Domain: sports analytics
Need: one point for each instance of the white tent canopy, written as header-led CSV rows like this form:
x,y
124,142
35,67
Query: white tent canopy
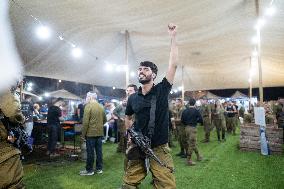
x,y
210,95
27,93
63,94
214,38
238,94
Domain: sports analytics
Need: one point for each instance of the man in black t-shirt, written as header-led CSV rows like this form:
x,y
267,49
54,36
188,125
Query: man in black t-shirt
x,y
80,112
190,117
53,122
139,105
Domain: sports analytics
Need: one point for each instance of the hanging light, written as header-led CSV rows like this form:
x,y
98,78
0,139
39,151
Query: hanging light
x,y
254,40
109,67
132,74
43,32
254,53
270,11
260,23
77,52
29,88
46,94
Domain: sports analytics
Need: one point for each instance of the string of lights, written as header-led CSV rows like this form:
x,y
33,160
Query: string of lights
x,y
43,32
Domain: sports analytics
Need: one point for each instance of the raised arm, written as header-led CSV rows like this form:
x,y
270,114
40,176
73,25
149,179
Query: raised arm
x,y
173,54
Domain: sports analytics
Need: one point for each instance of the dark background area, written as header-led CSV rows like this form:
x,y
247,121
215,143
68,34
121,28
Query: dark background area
x,y
42,85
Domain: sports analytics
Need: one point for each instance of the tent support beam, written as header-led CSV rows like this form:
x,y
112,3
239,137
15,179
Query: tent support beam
x,y
126,60
259,57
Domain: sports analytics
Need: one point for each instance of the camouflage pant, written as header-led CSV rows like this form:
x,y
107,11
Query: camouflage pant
x,y
121,134
220,125
11,169
181,137
191,137
231,125
207,128
171,144
122,142
162,177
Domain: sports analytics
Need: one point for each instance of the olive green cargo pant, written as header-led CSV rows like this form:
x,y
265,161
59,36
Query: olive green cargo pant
x,y
121,147
220,125
231,125
163,178
11,169
181,137
207,128
191,138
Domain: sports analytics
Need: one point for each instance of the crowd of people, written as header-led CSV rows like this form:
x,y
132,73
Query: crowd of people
x,y
147,111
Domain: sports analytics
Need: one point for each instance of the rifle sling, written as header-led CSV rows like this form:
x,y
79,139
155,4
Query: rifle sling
x,y
151,123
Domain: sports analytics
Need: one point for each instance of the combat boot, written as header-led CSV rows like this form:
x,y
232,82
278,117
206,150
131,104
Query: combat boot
x,y
191,163
199,158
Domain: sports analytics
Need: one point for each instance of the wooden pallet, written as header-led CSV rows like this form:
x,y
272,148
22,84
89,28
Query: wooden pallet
x,y
250,140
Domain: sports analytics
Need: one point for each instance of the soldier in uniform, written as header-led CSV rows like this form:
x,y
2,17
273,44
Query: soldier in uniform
x,y
190,117
11,170
119,114
231,111
269,118
248,118
280,120
206,116
179,108
219,120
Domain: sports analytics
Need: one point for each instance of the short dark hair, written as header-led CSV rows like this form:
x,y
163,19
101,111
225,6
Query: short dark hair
x,y
151,65
192,102
134,86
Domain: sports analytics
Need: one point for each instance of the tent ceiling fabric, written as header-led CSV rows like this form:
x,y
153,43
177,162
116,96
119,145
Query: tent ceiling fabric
x,y
214,38
64,94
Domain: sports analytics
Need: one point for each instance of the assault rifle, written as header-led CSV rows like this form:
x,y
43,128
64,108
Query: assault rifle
x,y
144,144
17,131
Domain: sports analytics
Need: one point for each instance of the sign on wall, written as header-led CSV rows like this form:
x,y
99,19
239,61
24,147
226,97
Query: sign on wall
x,y
259,116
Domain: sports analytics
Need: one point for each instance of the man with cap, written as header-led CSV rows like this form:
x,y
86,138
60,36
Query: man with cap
x,y
154,125
93,131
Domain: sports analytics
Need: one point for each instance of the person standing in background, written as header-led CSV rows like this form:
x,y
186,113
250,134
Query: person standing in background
x,y
93,131
27,110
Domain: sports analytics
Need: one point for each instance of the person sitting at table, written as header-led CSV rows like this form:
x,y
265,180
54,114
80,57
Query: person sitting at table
x,y
53,123
36,114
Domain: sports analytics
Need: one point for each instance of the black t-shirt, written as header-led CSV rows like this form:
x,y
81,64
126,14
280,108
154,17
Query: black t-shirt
x,y
230,108
140,105
27,110
191,116
81,108
53,115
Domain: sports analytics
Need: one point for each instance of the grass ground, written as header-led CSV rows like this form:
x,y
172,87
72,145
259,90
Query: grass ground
x,y
224,166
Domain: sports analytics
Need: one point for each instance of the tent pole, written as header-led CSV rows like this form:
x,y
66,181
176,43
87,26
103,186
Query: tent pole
x,y
182,83
259,57
126,60
250,84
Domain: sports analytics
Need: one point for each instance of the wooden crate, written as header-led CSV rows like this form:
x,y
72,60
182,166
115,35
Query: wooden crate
x,y
250,140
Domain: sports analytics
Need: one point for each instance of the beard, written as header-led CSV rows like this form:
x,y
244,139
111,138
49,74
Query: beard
x,y
145,79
